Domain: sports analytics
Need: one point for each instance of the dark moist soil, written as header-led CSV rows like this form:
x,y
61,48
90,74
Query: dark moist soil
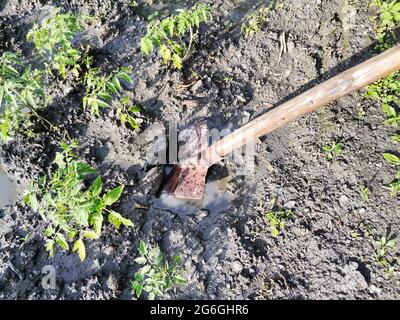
x,y
229,254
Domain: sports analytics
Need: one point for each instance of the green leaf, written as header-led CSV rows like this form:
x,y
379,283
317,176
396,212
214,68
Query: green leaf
x,y
104,95
142,247
133,122
59,160
113,195
391,158
141,260
34,202
60,240
88,234
275,232
177,61
139,276
96,187
79,247
134,109
96,221
84,169
146,46
125,76
152,296
139,290
177,259
390,111
81,216
125,100
179,279
116,219
49,246
165,53
101,103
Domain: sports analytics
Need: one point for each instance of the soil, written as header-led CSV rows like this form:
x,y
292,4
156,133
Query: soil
x,y
228,253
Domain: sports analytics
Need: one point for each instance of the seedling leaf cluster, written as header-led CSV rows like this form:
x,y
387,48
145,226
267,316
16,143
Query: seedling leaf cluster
x,y
394,186
169,35
52,39
333,150
277,220
157,276
21,94
101,90
72,211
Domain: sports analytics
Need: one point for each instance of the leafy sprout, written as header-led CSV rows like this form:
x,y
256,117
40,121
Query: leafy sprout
x,y
364,191
157,276
333,150
256,21
387,21
21,95
70,210
384,249
169,35
277,220
394,186
100,89
387,92
52,39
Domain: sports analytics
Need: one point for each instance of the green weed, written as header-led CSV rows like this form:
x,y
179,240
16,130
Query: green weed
x,y
157,276
21,94
255,22
396,138
387,21
383,246
70,210
169,35
100,90
259,19
387,92
277,220
52,39
333,150
393,187
126,111
364,191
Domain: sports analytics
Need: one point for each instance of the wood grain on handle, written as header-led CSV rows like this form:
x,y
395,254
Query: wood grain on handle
x,y
353,79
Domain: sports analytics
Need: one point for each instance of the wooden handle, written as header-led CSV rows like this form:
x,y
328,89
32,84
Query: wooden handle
x,y
353,79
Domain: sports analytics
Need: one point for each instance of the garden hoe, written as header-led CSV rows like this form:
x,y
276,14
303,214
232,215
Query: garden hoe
x,y
187,179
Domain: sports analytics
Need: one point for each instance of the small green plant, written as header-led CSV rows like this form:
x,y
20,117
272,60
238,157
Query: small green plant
x,y
393,187
364,193
391,158
333,150
169,35
157,276
52,40
383,246
387,21
21,95
363,230
387,92
126,111
277,220
101,88
396,138
70,210
256,21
